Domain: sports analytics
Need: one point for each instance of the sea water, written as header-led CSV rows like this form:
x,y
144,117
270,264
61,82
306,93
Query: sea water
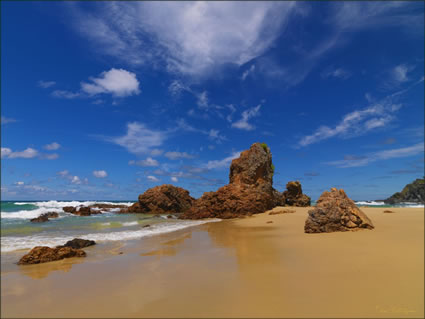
x,y
17,232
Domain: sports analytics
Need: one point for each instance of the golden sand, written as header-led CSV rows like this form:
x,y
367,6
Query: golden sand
x,y
239,268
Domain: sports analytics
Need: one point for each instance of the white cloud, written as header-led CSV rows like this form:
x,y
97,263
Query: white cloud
x,y
149,162
246,115
212,134
203,100
400,73
177,155
6,120
51,147
152,178
156,152
356,161
65,94
75,180
177,87
63,173
336,73
224,163
27,153
174,179
46,84
100,174
248,72
215,135
139,139
117,82
358,122
19,183
5,152
190,37
49,156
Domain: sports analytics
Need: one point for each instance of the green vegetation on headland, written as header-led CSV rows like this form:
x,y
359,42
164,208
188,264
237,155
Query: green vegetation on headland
x,y
413,192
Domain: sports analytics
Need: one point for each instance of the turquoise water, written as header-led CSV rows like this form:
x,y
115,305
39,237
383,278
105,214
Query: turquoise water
x,y
17,232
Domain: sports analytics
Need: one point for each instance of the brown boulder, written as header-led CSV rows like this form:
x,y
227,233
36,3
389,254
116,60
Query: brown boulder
x,y
293,196
40,219
334,211
135,208
43,254
44,217
69,209
164,199
85,211
250,190
78,243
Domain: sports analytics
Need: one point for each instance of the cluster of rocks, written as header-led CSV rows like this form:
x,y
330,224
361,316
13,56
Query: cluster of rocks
x,y
250,191
43,254
82,210
334,211
44,217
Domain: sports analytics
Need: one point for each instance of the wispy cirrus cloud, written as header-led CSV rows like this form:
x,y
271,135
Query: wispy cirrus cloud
x,y
243,123
363,160
148,162
339,73
64,94
190,38
178,155
52,146
223,163
340,21
358,122
46,84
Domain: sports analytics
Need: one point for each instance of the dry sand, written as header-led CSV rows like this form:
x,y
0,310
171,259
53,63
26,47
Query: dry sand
x,y
238,268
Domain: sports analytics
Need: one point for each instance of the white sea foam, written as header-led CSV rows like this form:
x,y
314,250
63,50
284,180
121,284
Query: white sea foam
x,y
61,204
403,204
370,203
130,223
26,214
53,206
16,243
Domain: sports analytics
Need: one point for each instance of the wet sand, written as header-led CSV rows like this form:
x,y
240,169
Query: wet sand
x,y
236,268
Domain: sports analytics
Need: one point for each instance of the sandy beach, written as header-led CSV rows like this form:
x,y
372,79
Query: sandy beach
x,y
235,268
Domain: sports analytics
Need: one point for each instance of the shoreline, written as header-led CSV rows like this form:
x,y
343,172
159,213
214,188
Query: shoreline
x,y
235,268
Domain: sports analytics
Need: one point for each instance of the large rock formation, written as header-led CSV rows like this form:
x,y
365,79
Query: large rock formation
x,y
249,190
413,192
164,199
334,211
293,196
43,254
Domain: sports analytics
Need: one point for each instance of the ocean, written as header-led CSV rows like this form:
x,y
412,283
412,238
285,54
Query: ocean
x,y
17,232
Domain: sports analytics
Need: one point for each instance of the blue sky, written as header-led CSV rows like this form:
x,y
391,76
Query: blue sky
x,y
103,100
